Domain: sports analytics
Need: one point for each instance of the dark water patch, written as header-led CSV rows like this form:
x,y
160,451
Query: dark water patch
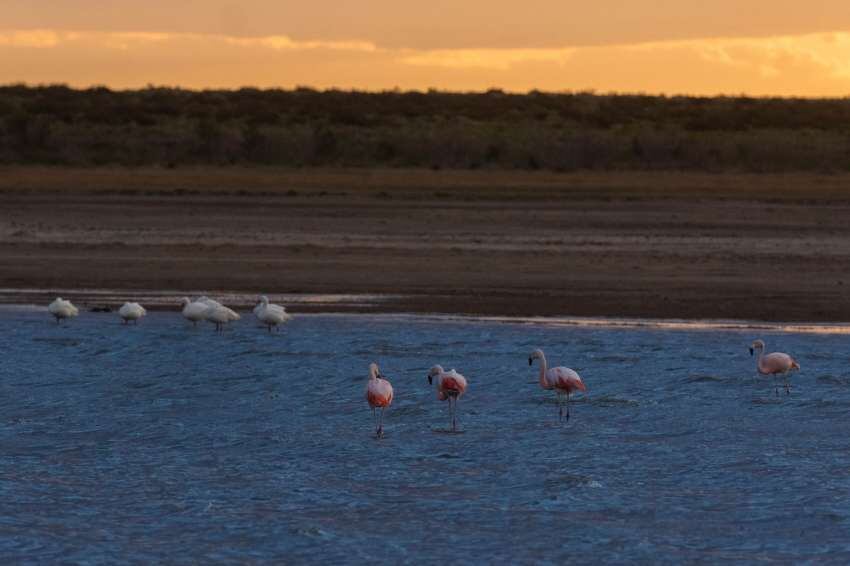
x,y
69,342
568,481
617,359
775,400
822,403
839,380
660,437
707,378
399,411
607,401
55,384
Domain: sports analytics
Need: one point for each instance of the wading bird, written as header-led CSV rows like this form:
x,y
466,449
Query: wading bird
x,y
132,311
379,393
269,314
450,386
563,380
775,365
220,315
207,301
194,311
61,308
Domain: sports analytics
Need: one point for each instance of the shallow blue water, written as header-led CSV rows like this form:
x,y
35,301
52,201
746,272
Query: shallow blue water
x,y
167,442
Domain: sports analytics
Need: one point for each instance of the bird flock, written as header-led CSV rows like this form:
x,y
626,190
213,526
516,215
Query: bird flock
x,y
450,385
200,310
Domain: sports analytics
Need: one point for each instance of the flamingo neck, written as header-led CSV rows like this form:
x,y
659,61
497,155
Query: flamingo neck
x,y
438,377
759,354
543,368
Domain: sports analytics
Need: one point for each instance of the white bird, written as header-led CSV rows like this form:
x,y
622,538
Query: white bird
x,y
270,314
220,315
207,301
132,311
194,311
62,309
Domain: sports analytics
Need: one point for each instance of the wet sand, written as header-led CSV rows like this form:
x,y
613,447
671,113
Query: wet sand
x,y
659,245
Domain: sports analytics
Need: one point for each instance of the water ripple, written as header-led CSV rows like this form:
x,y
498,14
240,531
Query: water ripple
x,y
167,443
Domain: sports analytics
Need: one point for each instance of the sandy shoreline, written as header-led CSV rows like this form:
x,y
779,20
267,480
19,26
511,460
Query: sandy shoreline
x,y
687,246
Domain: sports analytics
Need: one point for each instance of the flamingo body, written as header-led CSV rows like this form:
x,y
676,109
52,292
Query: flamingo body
x,y
379,393
131,311
450,384
776,363
563,379
62,309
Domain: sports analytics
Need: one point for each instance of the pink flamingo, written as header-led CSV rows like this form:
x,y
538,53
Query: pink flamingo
x,y
379,393
564,381
450,386
775,364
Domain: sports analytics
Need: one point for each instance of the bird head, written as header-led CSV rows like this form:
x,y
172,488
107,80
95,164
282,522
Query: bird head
x,y
535,355
434,372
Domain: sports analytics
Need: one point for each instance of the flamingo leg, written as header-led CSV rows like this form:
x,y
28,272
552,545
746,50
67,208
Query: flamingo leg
x,y
454,416
375,418
787,385
381,424
560,407
568,406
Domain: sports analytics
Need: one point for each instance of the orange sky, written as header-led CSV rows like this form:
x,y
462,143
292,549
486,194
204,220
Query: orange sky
x,y
759,47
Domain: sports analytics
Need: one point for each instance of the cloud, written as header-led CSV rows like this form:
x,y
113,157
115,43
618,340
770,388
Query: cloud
x,y
281,42
37,39
772,56
495,59
43,38
791,65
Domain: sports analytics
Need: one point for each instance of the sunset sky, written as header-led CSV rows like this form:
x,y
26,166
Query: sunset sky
x,y
757,47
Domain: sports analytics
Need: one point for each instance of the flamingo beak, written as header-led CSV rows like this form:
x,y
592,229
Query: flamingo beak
x,y
430,379
751,351
529,361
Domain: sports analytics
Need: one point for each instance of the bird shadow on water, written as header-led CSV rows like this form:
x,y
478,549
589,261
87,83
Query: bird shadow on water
x,y
774,400
708,378
447,431
841,381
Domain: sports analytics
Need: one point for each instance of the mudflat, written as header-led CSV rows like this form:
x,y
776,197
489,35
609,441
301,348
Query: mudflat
x,y
629,244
